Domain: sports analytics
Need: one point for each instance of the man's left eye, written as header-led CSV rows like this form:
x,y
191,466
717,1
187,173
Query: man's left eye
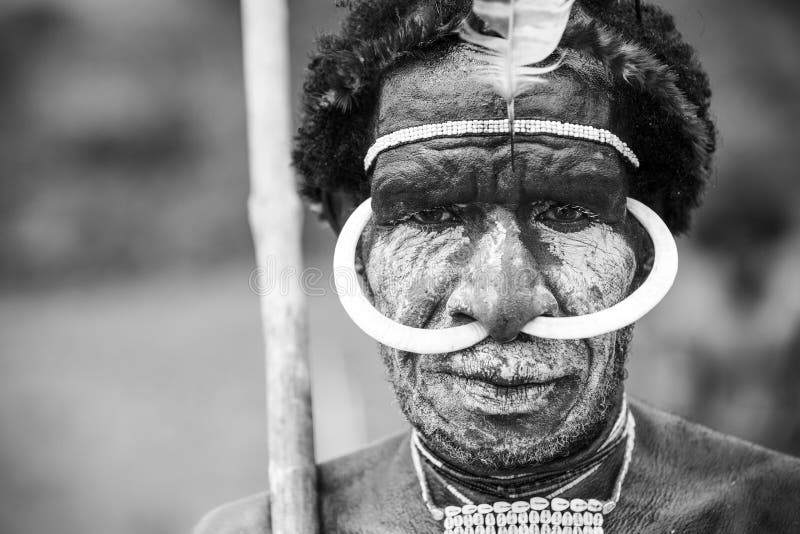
x,y
566,213
433,216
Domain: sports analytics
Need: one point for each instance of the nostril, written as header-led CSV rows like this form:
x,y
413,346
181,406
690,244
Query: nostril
x,y
462,318
505,330
507,339
503,316
504,335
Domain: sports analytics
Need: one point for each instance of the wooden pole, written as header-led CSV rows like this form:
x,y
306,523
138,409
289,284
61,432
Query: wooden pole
x,y
276,223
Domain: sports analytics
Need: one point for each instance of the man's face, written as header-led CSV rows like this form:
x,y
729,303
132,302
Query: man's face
x,y
461,234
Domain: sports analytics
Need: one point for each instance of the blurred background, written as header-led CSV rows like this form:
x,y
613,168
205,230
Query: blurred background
x,y
131,396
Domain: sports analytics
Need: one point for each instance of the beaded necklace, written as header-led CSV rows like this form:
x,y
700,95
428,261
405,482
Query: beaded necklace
x,y
539,515
523,485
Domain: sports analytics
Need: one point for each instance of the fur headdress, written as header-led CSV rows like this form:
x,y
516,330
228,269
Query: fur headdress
x,y
660,93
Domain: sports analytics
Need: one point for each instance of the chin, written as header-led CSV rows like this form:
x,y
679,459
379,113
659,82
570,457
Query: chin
x,y
501,437
498,407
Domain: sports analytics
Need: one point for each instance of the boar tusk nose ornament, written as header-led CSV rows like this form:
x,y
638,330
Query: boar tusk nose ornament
x,y
434,341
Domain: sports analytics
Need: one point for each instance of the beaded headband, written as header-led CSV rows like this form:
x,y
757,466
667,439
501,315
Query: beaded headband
x,y
494,127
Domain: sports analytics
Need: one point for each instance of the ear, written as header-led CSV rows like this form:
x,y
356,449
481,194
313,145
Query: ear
x,y
337,206
645,254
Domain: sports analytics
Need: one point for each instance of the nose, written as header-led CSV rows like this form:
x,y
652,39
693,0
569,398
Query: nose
x,y
502,287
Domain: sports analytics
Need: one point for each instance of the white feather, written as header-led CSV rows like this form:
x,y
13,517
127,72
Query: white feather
x,y
529,32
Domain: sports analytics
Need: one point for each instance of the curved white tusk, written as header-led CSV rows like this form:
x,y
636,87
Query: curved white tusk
x,y
637,304
434,341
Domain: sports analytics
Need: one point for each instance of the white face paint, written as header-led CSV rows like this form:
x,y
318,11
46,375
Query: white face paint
x,y
502,405
460,234
585,259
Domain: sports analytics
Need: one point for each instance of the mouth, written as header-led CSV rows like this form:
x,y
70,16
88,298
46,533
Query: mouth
x,y
496,395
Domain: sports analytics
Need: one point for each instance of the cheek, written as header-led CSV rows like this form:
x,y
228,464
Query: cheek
x,y
589,270
409,269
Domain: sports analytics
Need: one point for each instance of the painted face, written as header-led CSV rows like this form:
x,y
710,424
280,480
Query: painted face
x,y
461,234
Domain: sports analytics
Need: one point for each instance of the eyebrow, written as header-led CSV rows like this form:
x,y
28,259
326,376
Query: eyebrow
x,y
437,173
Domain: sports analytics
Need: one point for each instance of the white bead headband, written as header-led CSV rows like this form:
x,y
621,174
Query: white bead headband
x,y
487,127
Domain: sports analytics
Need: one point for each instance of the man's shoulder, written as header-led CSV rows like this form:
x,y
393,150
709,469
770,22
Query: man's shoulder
x,y
362,465
337,480
710,471
681,444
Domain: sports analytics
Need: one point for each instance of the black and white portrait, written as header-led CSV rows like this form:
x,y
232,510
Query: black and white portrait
x,y
399,266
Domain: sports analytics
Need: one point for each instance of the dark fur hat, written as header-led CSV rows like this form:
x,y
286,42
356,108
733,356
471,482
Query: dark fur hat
x,y
661,93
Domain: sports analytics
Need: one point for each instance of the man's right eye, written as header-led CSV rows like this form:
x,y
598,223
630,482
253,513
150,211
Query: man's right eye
x,y
433,216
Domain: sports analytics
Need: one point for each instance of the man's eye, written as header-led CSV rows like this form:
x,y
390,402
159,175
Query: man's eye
x,y
433,216
566,213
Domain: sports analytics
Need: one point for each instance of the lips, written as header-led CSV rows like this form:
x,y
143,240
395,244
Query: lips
x,y
500,379
503,396
520,377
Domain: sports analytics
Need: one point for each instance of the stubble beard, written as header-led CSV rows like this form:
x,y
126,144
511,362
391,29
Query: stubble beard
x,y
588,418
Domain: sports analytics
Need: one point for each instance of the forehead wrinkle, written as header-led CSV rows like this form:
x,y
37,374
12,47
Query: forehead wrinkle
x,y
574,171
478,169
429,174
446,88
448,171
